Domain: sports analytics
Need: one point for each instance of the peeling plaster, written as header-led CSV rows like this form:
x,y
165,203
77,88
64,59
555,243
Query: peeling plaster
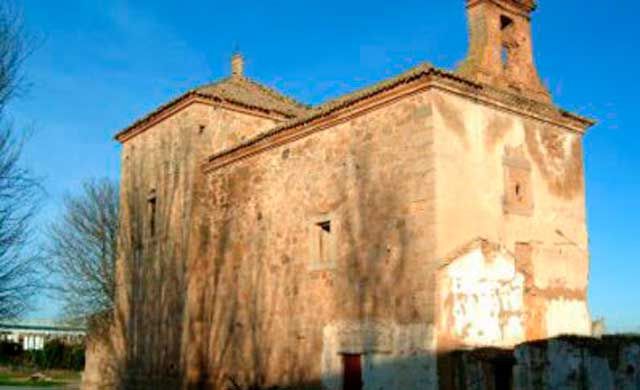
x,y
483,299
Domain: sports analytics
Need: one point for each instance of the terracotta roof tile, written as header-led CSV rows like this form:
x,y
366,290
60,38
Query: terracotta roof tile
x,y
347,100
244,90
416,72
239,90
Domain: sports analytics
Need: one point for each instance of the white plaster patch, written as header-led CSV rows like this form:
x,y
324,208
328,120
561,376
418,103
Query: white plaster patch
x,y
566,316
330,364
486,299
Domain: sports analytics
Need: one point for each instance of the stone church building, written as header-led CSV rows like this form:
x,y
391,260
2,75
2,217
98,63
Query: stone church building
x,y
354,244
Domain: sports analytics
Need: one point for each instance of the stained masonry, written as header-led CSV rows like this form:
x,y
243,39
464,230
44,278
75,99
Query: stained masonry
x,y
356,243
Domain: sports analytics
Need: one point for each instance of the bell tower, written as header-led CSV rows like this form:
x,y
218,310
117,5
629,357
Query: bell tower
x,y
500,48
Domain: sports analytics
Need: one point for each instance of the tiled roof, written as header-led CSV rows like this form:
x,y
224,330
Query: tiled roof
x,y
421,70
347,100
239,90
248,92
360,94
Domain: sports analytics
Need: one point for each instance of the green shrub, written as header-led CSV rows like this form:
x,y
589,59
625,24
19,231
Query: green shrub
x,y
55,355
10,352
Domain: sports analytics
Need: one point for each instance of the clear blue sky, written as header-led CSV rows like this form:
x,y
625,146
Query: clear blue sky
x,y
102,64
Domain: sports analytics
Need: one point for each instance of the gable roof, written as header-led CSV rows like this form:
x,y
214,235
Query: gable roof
x,y
238,90
243,90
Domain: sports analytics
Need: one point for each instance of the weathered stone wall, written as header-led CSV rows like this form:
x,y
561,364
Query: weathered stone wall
x,y
234,286
398,223
516,182
161,178
267,311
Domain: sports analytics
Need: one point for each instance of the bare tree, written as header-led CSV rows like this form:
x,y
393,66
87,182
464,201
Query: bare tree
x,y
82,249
19,199
14,48
19,190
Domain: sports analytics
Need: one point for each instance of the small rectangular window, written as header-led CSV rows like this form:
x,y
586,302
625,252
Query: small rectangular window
x,y
518,192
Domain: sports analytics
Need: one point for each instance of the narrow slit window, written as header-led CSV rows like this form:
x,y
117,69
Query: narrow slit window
x,y
323,234
504,56
324,241
152,201
506,26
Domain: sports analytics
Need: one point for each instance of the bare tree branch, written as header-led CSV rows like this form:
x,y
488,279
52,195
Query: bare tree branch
x,y
14,49
82,249
20,192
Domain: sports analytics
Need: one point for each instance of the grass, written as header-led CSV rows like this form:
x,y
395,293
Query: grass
x,y
25,382
23,379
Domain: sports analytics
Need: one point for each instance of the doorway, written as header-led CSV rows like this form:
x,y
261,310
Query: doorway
x,y
352,372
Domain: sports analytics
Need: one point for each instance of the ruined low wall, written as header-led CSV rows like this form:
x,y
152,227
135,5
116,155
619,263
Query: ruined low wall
x,y
567,362
612,362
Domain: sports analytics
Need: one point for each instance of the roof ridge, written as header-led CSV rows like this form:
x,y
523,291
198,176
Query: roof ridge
x,y
420,70
211,84
339,102
271,91
361,92
274,92
271,98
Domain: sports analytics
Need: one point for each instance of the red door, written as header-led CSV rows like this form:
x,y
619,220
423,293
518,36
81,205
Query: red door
x,y
352,372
